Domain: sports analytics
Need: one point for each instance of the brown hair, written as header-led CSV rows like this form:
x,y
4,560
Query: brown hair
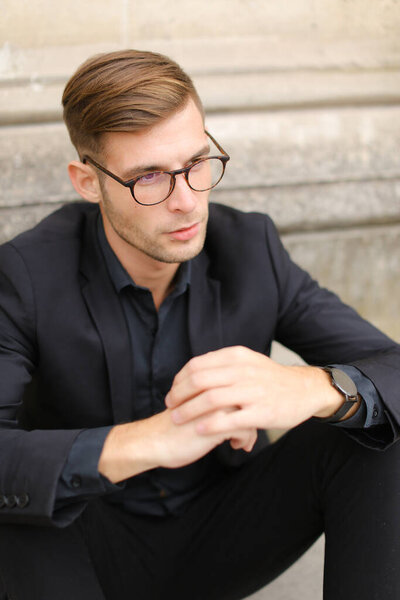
x,y
127,90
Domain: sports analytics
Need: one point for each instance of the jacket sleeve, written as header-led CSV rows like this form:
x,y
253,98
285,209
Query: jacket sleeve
x,y
314,322
80,479
31,461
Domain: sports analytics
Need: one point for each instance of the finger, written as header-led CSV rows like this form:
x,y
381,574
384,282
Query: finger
x,y
233,355
200,381
220,422
229,397
245,442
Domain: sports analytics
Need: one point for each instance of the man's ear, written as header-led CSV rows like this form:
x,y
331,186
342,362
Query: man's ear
x,y
85,181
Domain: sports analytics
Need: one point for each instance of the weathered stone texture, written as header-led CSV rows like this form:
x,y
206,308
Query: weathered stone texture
x,y
244,17
304,96
308,170
45,22
17,220
361,265
41,23
307,146
327,178
320,206
33,163
37,100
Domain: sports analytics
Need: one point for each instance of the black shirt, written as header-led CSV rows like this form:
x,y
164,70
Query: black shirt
x,y
160,347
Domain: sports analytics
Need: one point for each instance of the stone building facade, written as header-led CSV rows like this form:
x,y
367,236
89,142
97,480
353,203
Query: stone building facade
x,y
305,95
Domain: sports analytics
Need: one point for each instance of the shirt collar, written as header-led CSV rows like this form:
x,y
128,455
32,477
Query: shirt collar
x,y
119,276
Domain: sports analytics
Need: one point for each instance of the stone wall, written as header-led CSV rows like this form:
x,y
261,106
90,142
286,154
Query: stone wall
x,y
305,97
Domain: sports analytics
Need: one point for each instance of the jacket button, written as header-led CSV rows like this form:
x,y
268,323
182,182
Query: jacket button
x,y
22,500
11,501
2,501
76,481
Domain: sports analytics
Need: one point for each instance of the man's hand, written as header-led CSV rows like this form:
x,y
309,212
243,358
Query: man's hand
x,y
236,388
133,448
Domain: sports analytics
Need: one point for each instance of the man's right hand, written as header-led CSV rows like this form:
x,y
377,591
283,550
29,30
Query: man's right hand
x,y
132,448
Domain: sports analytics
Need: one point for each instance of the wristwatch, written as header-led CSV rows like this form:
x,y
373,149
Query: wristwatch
x,y
346,386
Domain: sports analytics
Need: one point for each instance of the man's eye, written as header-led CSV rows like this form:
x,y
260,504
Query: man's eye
x,y
199,164
156,177
149,178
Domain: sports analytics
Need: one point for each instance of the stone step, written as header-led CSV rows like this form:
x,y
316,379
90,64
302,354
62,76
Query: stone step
x,y
288,152
260,71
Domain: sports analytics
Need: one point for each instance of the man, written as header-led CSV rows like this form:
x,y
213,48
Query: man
x,y
135,379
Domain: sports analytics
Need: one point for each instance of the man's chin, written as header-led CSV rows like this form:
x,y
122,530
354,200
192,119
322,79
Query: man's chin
x,y
179,252
182,255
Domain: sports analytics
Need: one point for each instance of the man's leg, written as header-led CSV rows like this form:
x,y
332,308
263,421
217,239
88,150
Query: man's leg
x,y
238,536
261,519
3,595
256,521
361,505
43,563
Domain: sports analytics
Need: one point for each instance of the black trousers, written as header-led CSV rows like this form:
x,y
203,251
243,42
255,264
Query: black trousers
x,y
234,539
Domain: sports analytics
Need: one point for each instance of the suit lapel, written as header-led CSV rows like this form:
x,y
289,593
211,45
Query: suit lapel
x,y
105,308
205,328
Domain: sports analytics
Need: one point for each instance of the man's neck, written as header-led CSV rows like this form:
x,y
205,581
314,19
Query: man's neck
x,y
158,281
145,271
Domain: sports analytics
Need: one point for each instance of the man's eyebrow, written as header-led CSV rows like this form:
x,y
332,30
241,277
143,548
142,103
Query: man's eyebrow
x,y
140,169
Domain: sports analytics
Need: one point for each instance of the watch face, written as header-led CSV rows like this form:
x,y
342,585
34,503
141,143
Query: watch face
x,y
344,383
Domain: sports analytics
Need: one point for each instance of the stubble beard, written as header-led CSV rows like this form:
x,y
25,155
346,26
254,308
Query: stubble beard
x,y
139,240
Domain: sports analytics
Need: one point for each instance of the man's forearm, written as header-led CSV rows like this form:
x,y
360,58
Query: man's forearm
x,y
133,448
127,451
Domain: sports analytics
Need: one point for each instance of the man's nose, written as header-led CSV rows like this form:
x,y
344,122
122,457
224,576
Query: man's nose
x,y
183,198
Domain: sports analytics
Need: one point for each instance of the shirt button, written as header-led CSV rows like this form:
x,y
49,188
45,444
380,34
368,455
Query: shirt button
x,y
375,412
76,482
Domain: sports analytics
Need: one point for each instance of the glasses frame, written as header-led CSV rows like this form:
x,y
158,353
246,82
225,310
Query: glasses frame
x,y
185,171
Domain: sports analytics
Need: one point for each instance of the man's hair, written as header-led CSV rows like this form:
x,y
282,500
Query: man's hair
x,y
127,90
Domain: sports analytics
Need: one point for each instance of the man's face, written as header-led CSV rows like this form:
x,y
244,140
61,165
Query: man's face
x,y
170,232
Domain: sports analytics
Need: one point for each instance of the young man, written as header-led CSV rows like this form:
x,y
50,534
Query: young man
x,y
134,334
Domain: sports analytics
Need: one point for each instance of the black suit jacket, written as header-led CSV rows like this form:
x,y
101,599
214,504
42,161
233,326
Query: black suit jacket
x,y
64,347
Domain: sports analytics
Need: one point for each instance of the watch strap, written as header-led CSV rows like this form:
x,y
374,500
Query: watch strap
x,y
346,386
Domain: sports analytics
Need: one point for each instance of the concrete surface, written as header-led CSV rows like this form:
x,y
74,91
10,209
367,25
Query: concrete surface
x,y
303,580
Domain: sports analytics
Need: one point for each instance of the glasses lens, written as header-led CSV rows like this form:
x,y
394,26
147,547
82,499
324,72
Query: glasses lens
x,y
155,187
152,188
205,174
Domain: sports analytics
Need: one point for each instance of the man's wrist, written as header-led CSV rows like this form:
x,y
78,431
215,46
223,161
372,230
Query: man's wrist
x,y
125,452
340,405
332,398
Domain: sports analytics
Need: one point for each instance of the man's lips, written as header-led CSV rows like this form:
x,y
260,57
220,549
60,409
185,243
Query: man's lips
x,y
186,233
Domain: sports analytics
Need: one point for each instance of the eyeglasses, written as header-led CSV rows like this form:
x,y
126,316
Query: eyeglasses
x,y
155,187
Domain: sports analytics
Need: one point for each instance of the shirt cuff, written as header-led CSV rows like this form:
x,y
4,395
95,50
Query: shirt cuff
x,y
80,478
